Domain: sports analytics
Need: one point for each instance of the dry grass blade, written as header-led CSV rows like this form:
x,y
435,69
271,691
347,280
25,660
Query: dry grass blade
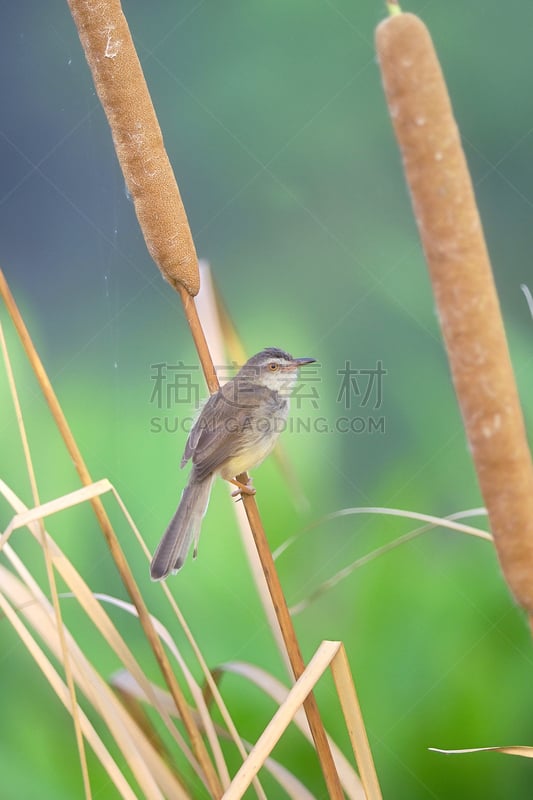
x,y
25,516
283,716
511,750
195,689
226,330
149,770
292,786
529,297
354,723
130,584
433,522
274,689
62,692
85,596
49,570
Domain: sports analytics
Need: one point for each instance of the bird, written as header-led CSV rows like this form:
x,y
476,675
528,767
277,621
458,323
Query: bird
x,y
235,431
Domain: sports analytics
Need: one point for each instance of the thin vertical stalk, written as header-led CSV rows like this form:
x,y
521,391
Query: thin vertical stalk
x,y
74,709
237,353
122,89
269,569
218,343
117,554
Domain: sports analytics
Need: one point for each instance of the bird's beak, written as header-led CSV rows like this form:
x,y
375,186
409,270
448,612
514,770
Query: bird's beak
x,y
299,362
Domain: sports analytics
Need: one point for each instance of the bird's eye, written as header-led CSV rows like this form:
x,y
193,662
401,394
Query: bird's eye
x,y
273,366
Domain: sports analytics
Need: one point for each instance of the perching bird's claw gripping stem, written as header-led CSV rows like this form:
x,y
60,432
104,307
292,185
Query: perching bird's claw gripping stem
x,y
121,87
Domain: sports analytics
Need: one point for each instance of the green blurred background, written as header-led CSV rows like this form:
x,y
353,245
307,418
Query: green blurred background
x,y
275,122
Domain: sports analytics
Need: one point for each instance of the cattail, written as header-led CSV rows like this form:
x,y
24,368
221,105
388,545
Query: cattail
x,y
467,303
120,84
119,81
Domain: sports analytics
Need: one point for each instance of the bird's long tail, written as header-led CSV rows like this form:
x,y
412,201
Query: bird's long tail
x,y
183,529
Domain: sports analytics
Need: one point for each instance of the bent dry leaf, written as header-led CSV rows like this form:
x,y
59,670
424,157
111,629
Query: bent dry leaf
x,y
449,522
511,750
150,772
529,297
60,688
123,682
289,701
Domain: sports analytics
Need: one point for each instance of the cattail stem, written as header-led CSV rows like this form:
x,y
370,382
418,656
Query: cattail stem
x,y
291,643
393,7
200,342
274,585
120,84
467,303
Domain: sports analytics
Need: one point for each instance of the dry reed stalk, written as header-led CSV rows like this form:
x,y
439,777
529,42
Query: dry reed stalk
x,y
117,554
13,615
197,333
328,654
293,787
120,84
274,689
237,353
92,604
470,318
211,322
49,571
274,587
152,774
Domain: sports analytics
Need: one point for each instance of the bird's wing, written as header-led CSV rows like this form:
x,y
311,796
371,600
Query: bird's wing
x,y
215,436
192,439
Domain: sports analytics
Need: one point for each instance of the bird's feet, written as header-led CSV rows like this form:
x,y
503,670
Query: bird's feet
x,y
243,488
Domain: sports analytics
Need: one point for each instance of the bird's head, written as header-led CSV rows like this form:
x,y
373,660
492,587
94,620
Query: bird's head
x,y
273,368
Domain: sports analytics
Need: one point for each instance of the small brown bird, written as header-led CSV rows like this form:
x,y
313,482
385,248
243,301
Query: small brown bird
x,y
236,429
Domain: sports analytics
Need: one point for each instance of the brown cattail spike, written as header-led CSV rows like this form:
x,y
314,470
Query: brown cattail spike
x,y
119,81
467,303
